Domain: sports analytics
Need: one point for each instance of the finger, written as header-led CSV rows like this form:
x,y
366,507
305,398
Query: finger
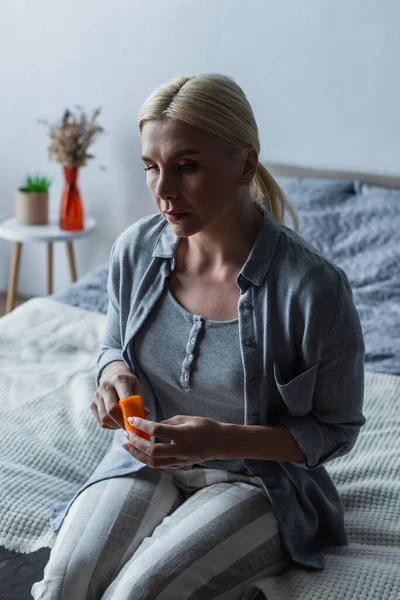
x,y
99,412
159,451
139,442
109,410
138,454
153,428
152,461
93,408
123,385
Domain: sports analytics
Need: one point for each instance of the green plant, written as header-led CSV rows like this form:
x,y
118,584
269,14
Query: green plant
x,y
36,185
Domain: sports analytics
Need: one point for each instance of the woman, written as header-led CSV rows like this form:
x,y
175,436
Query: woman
x,y
247,349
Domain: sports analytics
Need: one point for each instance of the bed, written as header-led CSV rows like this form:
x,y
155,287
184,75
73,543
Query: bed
x,y
354,223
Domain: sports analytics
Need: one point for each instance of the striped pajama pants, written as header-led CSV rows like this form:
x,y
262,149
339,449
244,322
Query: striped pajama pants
x,y
165,534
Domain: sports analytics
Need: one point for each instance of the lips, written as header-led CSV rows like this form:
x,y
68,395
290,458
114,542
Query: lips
x,y
175,212
174,216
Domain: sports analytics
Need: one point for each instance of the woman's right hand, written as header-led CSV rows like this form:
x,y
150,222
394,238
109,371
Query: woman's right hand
x,y
116,382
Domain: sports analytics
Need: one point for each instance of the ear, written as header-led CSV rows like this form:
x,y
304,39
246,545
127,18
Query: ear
x,y
250,164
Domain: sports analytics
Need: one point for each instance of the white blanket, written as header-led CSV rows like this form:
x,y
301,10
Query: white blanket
x,y
49,440
50,443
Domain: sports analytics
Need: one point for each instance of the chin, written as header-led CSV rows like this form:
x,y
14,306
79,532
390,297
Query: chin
x,y
182,229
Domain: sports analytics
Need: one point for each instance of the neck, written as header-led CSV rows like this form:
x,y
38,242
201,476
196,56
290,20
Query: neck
x,y
222,247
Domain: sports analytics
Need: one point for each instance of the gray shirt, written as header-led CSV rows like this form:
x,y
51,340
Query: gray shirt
x,y
194,365
302,355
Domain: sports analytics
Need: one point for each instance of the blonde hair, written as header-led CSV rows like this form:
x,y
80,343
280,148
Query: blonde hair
x,y
216,104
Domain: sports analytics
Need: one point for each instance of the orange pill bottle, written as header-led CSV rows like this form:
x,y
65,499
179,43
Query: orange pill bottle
x,y
132,406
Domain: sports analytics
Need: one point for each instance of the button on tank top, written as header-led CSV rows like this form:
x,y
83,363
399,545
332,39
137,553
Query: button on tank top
x,y
194,366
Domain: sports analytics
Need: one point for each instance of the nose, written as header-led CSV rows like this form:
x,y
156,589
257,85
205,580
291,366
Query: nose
x,y
166,186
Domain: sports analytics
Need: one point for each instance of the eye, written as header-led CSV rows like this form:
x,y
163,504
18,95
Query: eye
x,y
187,166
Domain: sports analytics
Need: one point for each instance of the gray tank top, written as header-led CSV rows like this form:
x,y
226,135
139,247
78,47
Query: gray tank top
x,y
194,366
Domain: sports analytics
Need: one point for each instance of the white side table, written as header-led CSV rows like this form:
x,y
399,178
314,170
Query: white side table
x,y
19,234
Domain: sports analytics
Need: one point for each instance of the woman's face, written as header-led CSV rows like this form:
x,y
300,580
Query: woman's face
x,y
188,172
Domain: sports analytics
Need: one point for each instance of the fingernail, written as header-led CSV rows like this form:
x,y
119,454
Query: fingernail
x,y
126,447
132,420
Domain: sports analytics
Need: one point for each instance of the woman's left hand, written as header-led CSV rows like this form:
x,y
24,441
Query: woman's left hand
x,y
193,439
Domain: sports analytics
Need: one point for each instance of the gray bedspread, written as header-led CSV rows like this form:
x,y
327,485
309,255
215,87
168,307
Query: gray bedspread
x,y
357,226
89,292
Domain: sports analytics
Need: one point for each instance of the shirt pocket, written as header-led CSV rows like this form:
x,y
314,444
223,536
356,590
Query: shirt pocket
x,y
297,393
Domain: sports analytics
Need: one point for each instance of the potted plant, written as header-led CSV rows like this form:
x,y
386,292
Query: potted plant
x,y
70,139
32,201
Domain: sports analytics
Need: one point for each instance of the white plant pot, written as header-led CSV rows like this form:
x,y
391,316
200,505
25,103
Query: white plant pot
x,y
31,208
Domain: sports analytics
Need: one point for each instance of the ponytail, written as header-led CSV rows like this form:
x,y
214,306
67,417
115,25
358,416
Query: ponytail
x,y
266,190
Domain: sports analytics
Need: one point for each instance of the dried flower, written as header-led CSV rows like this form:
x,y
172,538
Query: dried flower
x,y
71,137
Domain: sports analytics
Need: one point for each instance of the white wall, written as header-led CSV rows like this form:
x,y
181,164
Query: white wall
x,y
322,76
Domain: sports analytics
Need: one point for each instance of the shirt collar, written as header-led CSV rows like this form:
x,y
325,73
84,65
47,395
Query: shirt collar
x,y
259,259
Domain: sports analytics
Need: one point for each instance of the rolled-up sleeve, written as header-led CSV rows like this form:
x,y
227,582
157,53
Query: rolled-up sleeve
x,y
111,347
331,428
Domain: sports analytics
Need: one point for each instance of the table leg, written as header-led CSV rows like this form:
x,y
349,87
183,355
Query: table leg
x,y
12,285
71,261
49,267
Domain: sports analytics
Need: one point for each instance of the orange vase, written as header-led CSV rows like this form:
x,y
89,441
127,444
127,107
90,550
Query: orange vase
x,y
71,214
